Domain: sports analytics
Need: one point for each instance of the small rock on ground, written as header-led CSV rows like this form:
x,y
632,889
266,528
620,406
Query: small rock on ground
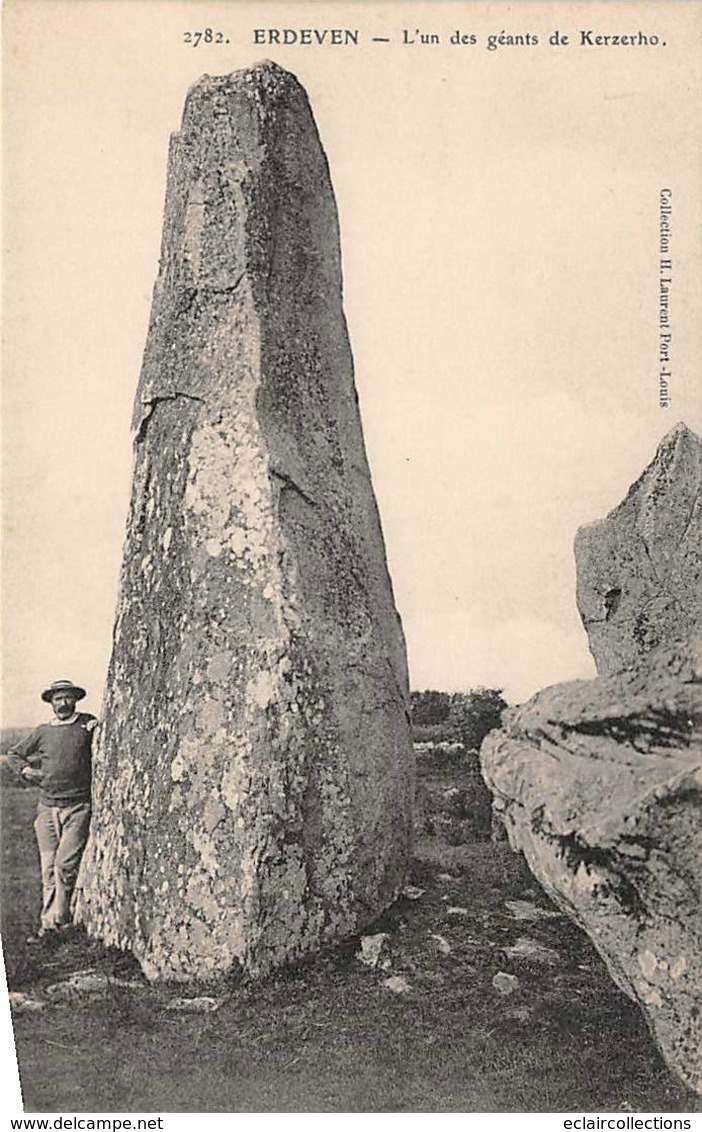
x,y
371,948
443,944
530,949
504,983
397,984
79,983
411,892
201,1005
24,1003
525,910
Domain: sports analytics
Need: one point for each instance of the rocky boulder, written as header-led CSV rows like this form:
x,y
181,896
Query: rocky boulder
x,y
254,772
639,570
599,784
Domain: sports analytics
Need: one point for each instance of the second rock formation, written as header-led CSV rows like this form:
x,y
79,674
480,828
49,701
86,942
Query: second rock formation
x,y
640,569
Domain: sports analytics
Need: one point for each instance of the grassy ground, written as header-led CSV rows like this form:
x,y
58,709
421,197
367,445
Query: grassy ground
x,y
328,1035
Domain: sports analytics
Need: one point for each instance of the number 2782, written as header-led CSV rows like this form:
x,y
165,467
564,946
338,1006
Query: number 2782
x,y
194,38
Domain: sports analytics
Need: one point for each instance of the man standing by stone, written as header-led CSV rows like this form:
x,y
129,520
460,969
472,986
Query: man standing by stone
x,y
62,749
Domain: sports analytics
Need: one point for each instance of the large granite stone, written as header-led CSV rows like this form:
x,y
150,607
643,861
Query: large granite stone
x,y
254,774
639,569
599,784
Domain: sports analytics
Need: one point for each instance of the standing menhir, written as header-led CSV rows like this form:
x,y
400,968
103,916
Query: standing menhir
x,y
254,778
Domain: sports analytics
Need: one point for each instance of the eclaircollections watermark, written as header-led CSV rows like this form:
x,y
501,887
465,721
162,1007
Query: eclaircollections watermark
x,y
665,283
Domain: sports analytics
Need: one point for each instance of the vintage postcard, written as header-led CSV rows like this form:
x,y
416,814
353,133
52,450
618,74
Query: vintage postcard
x,y
327,327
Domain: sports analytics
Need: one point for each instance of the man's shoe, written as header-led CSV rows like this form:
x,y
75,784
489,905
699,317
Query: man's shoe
x,y
44,935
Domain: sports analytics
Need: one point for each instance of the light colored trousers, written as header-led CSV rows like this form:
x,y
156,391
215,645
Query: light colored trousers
x,y
61,832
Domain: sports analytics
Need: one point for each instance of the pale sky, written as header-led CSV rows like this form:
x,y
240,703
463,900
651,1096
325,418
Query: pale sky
x,y
499,219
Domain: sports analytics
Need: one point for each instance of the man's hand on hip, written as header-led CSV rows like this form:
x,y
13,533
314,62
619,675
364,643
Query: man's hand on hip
x,y
31,774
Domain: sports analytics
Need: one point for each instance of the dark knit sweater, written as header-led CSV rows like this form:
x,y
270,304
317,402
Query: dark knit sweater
x,y
64,753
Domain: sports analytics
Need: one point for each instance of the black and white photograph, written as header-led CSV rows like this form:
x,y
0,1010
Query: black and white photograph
x,y
351,750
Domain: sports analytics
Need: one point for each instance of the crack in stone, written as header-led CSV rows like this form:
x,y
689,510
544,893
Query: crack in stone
x,y
647,552
289,482
633,730
150,406
688,524
190,295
